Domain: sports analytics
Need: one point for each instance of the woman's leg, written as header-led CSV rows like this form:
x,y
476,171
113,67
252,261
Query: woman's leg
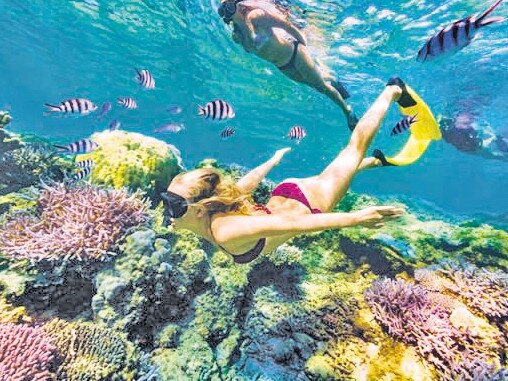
x,y
325,190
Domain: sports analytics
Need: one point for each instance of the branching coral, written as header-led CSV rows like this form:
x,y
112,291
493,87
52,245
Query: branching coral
x,y
417,317
26,353
483,290
88,352
77,222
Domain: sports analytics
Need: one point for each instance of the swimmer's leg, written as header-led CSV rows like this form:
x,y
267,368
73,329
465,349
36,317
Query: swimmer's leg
x,y
325,190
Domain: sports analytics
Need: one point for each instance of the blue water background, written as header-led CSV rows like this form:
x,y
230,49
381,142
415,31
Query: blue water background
x,y
53,50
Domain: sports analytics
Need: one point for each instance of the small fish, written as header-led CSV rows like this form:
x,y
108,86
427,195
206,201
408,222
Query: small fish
x,y
171,127
217,110
297,132
106,107
76,105
80,146
227,132
145,79
457,35
84,163
81,174
403,124
129,103
114,125
174,109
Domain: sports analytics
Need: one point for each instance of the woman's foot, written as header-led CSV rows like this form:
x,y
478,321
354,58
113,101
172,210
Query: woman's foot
x,y
404,99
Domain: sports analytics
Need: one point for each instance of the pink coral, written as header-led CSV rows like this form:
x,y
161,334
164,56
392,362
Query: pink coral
x,y
26,353
77,222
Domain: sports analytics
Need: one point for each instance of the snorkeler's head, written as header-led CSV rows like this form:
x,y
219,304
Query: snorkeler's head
x,y
227,9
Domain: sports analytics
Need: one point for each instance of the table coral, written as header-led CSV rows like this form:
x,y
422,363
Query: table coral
x,y
26,353
82,222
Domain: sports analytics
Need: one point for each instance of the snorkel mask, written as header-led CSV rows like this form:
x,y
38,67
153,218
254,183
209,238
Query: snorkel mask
x,y
227,9
175,206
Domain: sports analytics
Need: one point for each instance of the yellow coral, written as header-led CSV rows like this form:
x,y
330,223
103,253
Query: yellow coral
x,y
127,159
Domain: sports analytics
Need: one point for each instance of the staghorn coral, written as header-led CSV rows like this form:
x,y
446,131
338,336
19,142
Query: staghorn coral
x,y
88,352
81,223
483,290
446,338
134,161
26,353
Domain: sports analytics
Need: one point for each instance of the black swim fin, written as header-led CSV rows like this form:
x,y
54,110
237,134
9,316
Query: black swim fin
x,y
405,99
337,85
378,154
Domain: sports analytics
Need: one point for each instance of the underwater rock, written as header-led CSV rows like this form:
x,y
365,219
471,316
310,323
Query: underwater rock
x,y
5,119
134,161
26,353
89,352
79,222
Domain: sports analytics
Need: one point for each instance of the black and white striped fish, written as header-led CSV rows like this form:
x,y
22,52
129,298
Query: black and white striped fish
x,y
403,125
227,132
75,106
84,163
80,146
297,133
217,110
129,103
81,174
457,35
145,79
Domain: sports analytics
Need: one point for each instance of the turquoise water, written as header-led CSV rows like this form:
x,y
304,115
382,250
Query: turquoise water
x,y
53,50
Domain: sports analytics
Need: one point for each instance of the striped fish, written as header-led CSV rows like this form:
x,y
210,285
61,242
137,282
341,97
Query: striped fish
x,y
227,132
217,110
129,103
114,125
81,174
75,106
84,163
457,35
80,146
403,125
145,79
297,133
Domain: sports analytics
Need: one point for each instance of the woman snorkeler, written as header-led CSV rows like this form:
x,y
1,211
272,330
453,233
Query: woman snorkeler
x,y
218,209
261,27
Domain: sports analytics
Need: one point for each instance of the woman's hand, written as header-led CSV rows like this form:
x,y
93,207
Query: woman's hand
x,y
377,216
277,156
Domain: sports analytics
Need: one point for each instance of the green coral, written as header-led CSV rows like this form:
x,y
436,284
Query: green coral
x,y
132,160
90,352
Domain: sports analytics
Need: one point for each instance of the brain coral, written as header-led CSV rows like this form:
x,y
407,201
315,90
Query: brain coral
x,y
88,352
77,222
132,160
26,353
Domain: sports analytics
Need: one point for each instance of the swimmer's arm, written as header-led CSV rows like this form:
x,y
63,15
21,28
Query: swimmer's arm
x,y
256,227
251,180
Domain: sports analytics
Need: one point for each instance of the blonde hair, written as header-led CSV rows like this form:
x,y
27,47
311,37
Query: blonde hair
x,y
215,192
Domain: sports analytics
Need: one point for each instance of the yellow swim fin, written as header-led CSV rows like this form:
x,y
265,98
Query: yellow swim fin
x,y
422,131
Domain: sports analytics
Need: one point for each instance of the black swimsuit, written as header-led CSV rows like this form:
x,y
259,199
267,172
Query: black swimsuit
x,y
291,63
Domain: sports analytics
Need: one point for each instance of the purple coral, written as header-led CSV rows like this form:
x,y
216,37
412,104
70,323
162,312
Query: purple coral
x,y
419,317
77,222
25,353
483,290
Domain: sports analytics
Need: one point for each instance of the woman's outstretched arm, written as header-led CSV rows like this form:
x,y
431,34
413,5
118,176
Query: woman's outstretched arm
x,y
233,227
251,180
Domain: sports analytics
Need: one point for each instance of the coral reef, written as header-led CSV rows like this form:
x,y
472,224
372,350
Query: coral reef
x,y
88,352
26,353
77,222
135,161
5,119
453,340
